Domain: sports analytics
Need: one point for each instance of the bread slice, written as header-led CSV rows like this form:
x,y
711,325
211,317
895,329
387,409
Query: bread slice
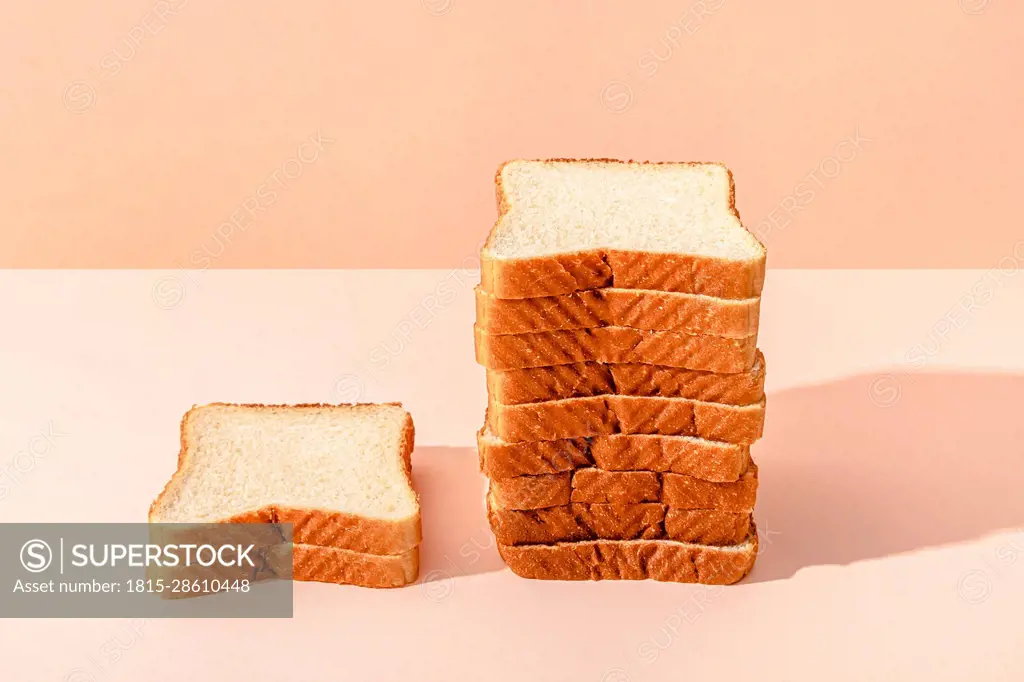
x,y
599,416
615,344
705,459
586,379
286,561
569,225
339,473
573,523
345,567
548,490
597,486
639,309
313,563
649,521
663,560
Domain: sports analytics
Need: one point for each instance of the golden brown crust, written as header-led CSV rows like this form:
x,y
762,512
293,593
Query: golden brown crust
x,y
611,307
577,522
615,345
597,486
687,492
286,561
534,492
585,379
599,416
565,273
704,459
707,526
333,565
594,486
314,526
646,521
661,560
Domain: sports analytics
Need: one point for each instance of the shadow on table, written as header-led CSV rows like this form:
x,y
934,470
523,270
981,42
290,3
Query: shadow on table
x,y
855,469
887,463
457,540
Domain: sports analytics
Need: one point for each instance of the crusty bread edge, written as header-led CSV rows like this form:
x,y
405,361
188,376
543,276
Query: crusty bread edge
x,y
561,561
505,386
700,352
650,310
495,457
611,415
314,526
313,563
520,493
616,521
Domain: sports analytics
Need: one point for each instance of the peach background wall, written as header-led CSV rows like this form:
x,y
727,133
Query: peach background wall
x,y
180,133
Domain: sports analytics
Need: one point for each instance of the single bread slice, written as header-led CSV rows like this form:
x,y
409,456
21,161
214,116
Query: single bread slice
x,y
705,459
576,522
345,567
597,486
639,309
569,225
599,416
615,345
313,563
579,522
340,474
287,561
585,379
663,560
539,492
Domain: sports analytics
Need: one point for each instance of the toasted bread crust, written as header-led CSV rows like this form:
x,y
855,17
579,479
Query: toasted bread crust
x,y
620,345
582,270
599,416
535,492
586,379
314,526
577,522
611,307
597,486
594,486
661,560
704,459
646,521
345,567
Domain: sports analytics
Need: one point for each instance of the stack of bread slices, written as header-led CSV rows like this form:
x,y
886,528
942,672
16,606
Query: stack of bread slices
x,y
617,320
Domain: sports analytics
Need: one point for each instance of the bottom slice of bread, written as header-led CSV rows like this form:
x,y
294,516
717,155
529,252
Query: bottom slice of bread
x,y
314,563
663,560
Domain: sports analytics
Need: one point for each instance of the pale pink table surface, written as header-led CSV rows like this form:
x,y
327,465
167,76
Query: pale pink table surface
x,y
890,502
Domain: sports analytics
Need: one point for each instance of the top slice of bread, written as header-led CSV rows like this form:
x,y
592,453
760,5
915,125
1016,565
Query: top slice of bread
x,y
569,225
339,473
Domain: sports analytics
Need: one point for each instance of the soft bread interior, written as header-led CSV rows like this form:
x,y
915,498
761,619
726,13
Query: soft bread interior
x,y
570,206
238,459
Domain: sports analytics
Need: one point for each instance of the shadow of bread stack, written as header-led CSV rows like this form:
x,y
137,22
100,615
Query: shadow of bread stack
x,y
617,319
